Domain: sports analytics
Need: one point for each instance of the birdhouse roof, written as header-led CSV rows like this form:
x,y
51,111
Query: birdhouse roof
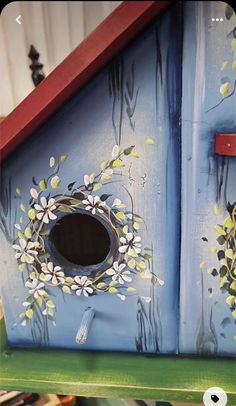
x,y
110,37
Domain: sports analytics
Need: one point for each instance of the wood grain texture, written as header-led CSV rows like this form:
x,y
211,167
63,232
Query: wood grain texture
x,y
114,375
80,66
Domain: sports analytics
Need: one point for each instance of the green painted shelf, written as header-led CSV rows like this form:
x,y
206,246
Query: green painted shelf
x,y
114,375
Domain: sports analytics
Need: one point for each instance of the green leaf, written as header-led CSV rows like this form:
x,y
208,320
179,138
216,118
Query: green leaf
x,y
234,314
127,151
212,271
21,219
103,165
225,89
149,141
153,279
39,300
50,312
132,263
217,209
138,219
32,275
18,191
233,44
43,184
55,182
101,285
229,253
28,232
113,290
142,265
97,186
131,290
69,280
234,66
147,256
113,283
42,277
105,176
65,209
224,65
63,158
21,267
223,271
134,154
136,225
121,216
29,313
117,163
202,264
22,207
228,222
92,177
219,230
233,286
66,289
20,235
31,214
50,304
230,300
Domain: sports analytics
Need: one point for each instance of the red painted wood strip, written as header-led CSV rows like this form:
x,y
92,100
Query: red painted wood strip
x,y
225,144
82,64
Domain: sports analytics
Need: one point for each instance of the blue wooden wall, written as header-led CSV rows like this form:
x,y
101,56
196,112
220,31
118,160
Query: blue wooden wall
x,y
155,95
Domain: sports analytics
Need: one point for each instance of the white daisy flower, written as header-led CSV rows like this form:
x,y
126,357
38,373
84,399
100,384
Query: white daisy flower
x,y
94,204
130,244
35,288
117,273
82,286
45,211
53,274
25,252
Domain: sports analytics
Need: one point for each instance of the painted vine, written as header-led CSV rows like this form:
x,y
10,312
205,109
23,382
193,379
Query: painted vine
x,y
43,207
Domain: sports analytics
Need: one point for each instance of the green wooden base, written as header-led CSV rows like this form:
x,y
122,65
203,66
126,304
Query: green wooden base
x,y
112,375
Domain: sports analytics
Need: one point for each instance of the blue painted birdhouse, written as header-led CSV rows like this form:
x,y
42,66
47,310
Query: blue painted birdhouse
x,y
118,219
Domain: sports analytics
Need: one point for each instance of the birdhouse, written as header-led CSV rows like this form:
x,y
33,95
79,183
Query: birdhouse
x,y
118,208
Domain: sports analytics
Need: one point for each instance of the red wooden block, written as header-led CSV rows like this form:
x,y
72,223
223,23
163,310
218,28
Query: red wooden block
x,y
225,144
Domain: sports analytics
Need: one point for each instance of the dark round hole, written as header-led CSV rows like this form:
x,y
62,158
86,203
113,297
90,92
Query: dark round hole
x,y
81,239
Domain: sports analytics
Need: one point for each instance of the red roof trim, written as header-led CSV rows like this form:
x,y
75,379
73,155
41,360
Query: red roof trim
x,y
68,77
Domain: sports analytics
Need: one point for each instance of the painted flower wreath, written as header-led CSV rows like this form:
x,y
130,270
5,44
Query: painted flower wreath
x,y
34,260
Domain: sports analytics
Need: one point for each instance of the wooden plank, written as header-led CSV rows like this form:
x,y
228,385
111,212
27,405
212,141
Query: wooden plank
x,y
82,64
225,144
114,375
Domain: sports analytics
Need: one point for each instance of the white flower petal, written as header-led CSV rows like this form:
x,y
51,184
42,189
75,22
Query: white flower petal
x,y
16,247
123,249
51,203
17,226
100,210
78,280
50,266
43,201
34,193
116,202
137,239
110,271
121,280
85,201
89,290
40,215
54,280
38,207
45,218
93,211
22,243
90,199
96,199
126,278
83,279
121,267
78,292
115,151
52,161
48,277
129,236
123,240
86,180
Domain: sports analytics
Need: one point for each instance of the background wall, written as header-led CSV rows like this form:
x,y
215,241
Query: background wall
x,y
55,28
